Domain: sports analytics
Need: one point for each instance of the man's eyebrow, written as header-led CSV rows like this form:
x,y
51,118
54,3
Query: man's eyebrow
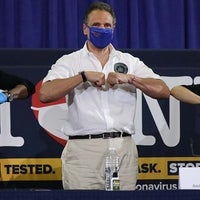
x,y
97,23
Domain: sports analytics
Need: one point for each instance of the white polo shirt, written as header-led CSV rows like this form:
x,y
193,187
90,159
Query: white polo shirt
x,y
93,111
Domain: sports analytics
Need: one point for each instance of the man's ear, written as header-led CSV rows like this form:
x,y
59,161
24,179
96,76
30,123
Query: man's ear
x,y
85,29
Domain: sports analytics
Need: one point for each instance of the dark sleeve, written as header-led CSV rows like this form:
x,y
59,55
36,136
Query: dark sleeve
x,y
8,82
193,88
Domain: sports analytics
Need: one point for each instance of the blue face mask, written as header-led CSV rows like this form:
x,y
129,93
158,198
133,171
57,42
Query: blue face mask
x,y
100,37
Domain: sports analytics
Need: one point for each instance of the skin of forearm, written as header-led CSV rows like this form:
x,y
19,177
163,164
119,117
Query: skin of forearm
x,y
58,88
185,95
154,88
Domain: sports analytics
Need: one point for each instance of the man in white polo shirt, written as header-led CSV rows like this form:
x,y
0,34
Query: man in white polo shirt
x,y
100,84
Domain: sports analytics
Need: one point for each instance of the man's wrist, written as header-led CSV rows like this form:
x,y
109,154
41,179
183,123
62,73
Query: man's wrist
x,y
83,76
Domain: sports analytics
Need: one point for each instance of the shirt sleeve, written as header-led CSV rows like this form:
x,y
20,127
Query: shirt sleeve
x,y
61,69
140,69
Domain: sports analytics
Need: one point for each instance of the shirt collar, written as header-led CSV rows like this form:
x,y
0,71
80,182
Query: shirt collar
x,y
112,52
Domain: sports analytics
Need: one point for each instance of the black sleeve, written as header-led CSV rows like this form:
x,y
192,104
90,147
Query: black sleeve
x,y
193,88
8,82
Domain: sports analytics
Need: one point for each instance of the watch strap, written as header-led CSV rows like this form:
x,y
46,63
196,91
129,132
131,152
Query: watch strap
x,y
83,76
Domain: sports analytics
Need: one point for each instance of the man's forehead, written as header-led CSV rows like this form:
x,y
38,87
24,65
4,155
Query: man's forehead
x,y
100,16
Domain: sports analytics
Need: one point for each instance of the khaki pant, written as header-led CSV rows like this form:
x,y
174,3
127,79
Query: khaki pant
x,y
83,163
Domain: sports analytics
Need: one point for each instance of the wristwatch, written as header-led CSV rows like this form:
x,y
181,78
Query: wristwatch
x,y
83,76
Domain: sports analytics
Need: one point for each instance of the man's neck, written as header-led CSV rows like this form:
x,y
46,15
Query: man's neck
x,y
96,51
101,54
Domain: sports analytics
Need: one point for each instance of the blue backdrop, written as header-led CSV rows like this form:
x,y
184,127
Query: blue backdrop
x,y
140,23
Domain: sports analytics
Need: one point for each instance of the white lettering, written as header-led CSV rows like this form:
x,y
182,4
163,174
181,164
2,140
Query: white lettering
x,y
170,134
6,139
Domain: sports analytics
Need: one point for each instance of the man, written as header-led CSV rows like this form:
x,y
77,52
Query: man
x,y
100,84
187,94
14,87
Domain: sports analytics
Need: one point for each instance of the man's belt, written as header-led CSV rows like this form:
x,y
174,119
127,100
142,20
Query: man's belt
x,y
102,135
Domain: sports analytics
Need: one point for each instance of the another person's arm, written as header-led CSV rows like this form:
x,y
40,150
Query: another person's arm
x,y
19,87
187,94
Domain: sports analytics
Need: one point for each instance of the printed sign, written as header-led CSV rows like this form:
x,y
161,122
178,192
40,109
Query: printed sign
x,y
167,136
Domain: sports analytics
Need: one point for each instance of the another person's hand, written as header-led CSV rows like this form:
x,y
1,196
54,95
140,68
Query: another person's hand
x,y
19,92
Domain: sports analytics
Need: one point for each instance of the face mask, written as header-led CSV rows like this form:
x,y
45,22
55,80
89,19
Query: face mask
x,y
100,37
